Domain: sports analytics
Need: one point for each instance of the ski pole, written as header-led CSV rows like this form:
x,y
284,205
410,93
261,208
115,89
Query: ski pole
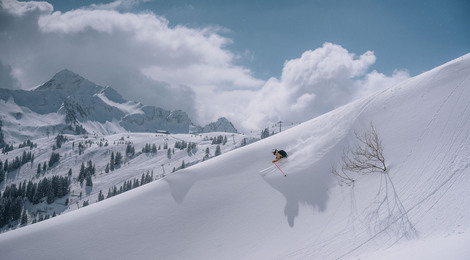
x,y
280,169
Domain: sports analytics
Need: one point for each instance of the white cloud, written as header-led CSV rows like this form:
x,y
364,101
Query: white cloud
x,y
317,82
118,4
375,81
21,8
139,54
330,61
178,67
6,78
302,102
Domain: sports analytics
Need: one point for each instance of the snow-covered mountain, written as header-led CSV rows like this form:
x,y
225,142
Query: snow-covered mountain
x,y
69,103
221,125
239,206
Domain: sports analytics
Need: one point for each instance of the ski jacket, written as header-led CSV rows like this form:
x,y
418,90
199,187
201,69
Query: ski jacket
x,y
278,156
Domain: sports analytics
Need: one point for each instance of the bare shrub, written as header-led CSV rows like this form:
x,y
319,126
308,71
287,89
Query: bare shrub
x,y
343,176
365,157
387,214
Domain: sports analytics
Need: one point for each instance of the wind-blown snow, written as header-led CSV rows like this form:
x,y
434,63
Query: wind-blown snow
x,y
238,206
128,108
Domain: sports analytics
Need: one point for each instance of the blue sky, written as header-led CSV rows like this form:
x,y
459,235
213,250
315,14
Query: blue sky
x,y
413,35
254,62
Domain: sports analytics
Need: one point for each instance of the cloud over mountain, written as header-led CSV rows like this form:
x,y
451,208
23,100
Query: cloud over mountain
x,y
177,67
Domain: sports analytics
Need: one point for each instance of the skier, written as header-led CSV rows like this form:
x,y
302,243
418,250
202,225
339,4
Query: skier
x,y
279,155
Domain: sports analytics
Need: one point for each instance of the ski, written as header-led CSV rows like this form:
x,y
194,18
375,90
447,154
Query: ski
x,y
267,171
269,168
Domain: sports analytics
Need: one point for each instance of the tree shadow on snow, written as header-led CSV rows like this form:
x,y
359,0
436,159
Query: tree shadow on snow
x,y
386,214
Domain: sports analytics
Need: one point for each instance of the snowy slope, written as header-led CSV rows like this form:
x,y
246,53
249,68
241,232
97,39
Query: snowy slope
x,y
98,150
234,207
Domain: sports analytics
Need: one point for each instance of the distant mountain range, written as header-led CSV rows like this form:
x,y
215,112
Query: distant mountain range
x,y
69,103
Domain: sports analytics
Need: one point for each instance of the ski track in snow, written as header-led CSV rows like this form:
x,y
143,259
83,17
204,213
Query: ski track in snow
x,y
439,186
417,208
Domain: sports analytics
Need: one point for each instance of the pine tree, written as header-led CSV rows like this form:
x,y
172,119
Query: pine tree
x,y
82,175
111,162
2,141
265,133
89,182
218,151
5,165
30,190
2,173
24,157
101,196
90,169
130,150
50,194
118,159
55,157
189,150
24,218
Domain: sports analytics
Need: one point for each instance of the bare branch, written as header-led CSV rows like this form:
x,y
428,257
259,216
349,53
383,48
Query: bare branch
x,y
367,156
342,176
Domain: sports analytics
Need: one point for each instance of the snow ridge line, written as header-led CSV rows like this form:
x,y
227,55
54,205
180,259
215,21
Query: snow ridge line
x,y
419,140
435,191
455,172
428,126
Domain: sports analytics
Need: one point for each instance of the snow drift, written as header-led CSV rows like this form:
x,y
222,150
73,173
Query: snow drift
x,y
234,207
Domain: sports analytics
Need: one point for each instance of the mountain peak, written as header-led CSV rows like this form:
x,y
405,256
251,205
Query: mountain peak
x,y
65,73
68,80
222,125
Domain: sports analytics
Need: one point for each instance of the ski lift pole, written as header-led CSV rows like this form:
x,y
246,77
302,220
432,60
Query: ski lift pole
x,y
280,170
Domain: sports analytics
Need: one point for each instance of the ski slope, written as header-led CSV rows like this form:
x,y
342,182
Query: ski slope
x,y
237,206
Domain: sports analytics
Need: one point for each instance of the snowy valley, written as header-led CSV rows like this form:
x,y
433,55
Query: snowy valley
x,y
239,206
